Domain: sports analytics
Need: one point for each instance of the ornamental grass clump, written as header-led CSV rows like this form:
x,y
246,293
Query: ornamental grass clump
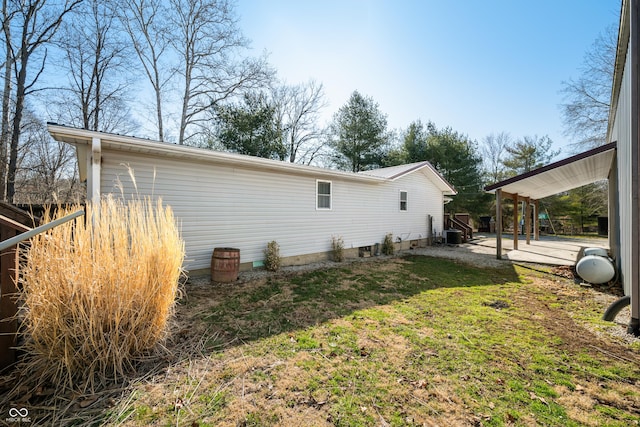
x,y
387,245
337,248
272,259
99,291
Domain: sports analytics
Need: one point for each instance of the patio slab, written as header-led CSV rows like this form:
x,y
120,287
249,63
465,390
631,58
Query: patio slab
x,y
552,250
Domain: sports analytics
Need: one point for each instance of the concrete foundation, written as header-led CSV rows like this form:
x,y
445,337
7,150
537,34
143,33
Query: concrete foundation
x,y
322,256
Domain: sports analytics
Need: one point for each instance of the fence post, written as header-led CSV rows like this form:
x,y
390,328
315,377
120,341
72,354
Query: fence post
x,y
8,306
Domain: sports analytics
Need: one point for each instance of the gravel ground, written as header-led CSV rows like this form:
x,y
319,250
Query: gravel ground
x,y
482,256
469,253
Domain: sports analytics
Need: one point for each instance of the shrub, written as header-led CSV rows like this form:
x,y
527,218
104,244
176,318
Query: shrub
x,y
272,260
99,291
337,248
387,245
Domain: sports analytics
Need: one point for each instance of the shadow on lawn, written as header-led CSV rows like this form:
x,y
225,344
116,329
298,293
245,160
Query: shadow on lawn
x,y
284,302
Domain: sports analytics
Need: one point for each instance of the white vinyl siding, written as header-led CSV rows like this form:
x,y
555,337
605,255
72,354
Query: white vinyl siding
x,y
323,195
403,201
220,205
621,132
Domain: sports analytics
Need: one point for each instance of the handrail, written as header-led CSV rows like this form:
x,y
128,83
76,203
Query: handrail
x,y
467,231
15,225
29,234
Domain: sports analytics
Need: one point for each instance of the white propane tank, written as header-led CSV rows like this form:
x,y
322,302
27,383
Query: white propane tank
x,y
596,251
595,269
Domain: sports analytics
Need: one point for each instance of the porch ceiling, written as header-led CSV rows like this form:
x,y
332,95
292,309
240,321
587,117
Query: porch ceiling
x,y
573,172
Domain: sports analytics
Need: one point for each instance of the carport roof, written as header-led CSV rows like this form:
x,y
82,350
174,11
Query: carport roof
x,y
573,172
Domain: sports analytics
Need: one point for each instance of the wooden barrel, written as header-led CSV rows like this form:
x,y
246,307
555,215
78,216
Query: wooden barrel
x,y
225,265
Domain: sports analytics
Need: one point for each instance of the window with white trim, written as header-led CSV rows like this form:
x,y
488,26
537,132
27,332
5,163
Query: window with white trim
x,y
403,200
323,195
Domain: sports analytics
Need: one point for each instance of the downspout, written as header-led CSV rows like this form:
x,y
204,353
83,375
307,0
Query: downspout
x,y
94,160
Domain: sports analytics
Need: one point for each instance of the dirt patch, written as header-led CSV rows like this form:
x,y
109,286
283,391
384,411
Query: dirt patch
x,y
566,327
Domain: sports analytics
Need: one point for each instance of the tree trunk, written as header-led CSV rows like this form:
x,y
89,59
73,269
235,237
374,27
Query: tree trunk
x,y
159,108
5,133
156,87
183,116
17,119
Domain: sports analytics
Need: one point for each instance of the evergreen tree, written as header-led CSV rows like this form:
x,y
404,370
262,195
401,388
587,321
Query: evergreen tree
x,y
529,153
250,128
456,157
359,135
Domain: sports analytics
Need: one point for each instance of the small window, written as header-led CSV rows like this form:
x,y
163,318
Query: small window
x,y
323,190
403,200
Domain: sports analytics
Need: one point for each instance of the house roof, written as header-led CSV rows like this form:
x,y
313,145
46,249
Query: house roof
x,y
573,172
82,138
394,172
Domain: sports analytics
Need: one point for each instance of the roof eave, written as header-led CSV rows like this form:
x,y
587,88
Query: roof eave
x,y
443,185
83,137
621,58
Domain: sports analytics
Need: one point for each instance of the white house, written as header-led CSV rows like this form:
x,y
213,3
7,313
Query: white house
x,y
624,114
230,200
618,161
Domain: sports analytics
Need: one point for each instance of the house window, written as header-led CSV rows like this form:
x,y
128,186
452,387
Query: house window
x,y
403,200
323,193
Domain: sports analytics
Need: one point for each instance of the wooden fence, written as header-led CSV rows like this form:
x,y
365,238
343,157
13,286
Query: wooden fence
x,y
11,234
9,258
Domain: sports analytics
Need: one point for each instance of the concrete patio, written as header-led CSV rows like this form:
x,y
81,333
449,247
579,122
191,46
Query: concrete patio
x,y
552,250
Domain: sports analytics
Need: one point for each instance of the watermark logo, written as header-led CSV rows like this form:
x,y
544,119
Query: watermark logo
x,y
18,415
15,412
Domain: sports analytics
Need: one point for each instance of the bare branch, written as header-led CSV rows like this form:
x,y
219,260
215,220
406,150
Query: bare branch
x,y
208,42
585,109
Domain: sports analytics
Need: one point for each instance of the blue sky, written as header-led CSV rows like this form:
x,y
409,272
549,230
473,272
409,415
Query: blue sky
x,y
477,66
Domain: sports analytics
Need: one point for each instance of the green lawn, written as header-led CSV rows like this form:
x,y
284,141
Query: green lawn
x,y
400,342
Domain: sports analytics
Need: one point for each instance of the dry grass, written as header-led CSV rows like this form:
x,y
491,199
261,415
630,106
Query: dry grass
x,y
98,292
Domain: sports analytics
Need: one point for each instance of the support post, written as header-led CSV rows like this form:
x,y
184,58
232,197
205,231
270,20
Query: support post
x,y
536,221
527,220
499,223
516,208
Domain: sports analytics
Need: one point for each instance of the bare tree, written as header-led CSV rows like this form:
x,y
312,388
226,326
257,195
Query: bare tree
x,y
96,59
35,23
298,110
146,23
586,108
208,44
47,170
5,131
493,149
